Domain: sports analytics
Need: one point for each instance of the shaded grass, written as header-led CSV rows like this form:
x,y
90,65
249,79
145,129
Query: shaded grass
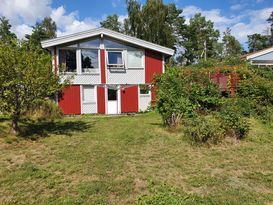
x,y
121,160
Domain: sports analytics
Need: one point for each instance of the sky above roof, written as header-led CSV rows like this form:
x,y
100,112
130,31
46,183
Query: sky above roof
x,y
244,17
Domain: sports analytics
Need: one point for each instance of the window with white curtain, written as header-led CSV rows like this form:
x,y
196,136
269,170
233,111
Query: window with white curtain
x,y
135,59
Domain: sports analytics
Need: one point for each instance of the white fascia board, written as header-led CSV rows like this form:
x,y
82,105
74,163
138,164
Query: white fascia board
x,y
259,53
106,32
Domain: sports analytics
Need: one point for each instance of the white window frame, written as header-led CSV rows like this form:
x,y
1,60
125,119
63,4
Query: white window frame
x,y
142,59
115,65
95,70
147,94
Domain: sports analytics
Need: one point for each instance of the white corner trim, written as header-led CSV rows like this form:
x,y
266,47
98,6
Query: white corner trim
x,y
106,32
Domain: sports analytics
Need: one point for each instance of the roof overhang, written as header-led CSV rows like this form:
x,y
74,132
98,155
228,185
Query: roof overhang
x,y
259,53
105,32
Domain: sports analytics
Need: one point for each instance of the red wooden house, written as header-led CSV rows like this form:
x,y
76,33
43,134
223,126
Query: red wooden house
x,y
111,72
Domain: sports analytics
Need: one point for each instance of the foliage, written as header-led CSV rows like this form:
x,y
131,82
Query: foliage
x,y
25,76
200,39
270,21
44,110
182,93
5,34
112,22
46,29
154,21
203,129
257,42
232,47
232,120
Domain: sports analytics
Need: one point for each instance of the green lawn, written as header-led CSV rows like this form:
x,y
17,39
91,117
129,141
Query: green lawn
x,y
131,159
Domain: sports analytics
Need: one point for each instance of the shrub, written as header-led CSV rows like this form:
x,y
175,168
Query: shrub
x,y
204,129
233,122
45,110
184,92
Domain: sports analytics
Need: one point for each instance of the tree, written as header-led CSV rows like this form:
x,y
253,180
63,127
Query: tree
x,y
200,39
270,21
5,34
25,77
133,25
111,22
257,42
42,31
232,46
154,22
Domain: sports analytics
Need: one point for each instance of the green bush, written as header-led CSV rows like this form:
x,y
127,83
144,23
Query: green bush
x,y
44,110
233,122
204,129
183,93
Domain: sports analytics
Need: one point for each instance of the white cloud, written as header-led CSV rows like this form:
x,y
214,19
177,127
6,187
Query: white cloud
x,y
25,13
236,7
243,24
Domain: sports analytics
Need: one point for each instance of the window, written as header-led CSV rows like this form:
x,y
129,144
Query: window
x,y
112,94
144,89
67,60
115,59
92,43
135,59
90,60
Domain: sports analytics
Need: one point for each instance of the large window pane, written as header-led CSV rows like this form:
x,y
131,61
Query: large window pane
x,y
90,60
93,43
135,59
67,59
115,58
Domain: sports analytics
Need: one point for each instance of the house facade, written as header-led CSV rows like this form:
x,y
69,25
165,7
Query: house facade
x,y
110,73
261,58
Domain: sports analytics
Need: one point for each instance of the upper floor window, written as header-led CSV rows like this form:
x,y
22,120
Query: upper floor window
x,y
67,59
90,60
115,59
135,59
92,43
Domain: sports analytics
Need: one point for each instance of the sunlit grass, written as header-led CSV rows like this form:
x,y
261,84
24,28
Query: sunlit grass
x,y
117,160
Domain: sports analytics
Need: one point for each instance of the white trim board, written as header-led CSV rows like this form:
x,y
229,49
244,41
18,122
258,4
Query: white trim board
x,y
106,32
259,53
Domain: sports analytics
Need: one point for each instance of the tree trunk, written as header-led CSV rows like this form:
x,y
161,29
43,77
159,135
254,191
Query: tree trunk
x,y
14,125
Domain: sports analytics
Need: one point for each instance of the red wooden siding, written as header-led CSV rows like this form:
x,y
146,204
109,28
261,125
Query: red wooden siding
x,y
129,99
102,65
101,100
70,100
153,64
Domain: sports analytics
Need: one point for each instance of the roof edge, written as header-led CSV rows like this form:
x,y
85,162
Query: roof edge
x,y
98,31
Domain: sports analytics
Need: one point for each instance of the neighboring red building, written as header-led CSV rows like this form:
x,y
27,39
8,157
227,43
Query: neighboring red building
x,y
111,72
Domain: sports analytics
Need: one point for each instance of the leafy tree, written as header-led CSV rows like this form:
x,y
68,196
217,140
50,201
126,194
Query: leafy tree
x,y
154,21
25,77
232,46
200,39
5,34
42,31
133,25
112,22
270,21
257,42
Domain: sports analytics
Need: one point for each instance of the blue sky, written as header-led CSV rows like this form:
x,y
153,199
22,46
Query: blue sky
x,y
244,17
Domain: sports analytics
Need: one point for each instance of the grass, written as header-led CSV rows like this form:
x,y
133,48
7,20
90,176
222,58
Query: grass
x,y
131,159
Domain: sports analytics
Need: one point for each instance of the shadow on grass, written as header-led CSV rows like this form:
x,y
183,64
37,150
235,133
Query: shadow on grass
x,y
34,130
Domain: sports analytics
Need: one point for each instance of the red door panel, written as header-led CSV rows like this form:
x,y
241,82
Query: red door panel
x,y
129,99
70,100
